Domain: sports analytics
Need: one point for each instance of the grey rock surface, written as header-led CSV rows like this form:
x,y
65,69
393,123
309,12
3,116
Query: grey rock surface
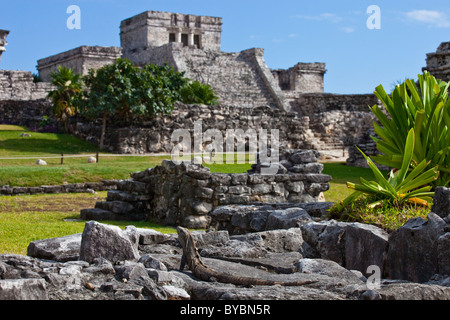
x,y
141,264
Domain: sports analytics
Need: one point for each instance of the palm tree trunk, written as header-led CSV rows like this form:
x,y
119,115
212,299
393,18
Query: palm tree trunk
x,y
103,130
66,125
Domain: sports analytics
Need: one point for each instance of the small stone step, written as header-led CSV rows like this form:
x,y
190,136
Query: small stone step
x,y
97,214
118,207
125,196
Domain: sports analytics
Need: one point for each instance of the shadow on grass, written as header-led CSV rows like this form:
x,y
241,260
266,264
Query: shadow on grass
x,y
54,144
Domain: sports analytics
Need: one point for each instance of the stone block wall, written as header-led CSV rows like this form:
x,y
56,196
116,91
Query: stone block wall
x,y
330,132
26,113
155,135
438,63
315,103
301,78
152,29
337,121
185,194
89,187
369,147
19,85
239,78
80,59
325,122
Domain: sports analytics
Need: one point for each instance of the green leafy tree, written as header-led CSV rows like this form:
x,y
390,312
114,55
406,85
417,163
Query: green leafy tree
x,y
68,87
198,93
427,112
126,92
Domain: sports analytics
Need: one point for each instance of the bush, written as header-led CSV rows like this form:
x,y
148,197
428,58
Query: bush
x,y
428,113
198,93
126,91
414,139
401,187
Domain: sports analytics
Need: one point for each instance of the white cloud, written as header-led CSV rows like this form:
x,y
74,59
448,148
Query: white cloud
x,y
278,40
321,17
327,17
347,29
331,17
429,17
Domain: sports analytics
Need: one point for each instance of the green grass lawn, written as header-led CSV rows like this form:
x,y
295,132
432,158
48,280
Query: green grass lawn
x,y
342,173
25,173
31,217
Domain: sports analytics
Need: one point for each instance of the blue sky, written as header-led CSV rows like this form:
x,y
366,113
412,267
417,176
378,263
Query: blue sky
x,y
290,31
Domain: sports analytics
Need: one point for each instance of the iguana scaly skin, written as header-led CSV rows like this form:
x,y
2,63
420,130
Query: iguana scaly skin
x,y
192,258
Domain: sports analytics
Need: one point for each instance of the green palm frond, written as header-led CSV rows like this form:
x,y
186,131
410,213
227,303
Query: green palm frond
x,y
426,109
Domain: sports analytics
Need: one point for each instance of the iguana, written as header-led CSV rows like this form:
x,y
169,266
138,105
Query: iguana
x,y
192,258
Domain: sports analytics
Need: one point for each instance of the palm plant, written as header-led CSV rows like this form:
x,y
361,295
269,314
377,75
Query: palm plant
x,y
198,93
428,113
68,86
403,185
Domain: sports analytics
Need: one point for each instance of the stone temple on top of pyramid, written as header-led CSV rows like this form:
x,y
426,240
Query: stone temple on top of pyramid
x,y
192,44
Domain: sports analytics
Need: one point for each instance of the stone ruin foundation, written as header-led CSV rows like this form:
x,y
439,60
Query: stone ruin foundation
x,y
186,194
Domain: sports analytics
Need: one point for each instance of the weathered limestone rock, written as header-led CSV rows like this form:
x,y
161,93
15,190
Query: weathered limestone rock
x,y
196,222
149,262
97,214
413,249
256,245
109,242
130,270
23,289
325,267
443,247
238,219
41,162
92,160
289,218
413,291
210,238
58,249
438,63
327,239
150,236
441,202
365,245
353,245
276,254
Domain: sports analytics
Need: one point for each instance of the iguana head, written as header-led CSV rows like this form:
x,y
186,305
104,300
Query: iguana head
x,y
183,236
